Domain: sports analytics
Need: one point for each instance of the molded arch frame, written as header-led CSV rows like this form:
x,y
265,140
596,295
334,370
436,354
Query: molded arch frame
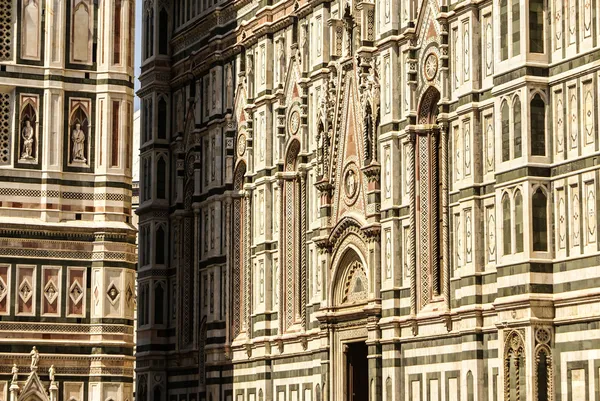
x,y
351,242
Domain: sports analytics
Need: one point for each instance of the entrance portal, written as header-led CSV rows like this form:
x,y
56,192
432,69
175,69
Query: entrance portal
x,y
357,372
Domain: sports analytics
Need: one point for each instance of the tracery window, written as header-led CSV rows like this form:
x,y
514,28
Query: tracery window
x,y
156,394
516,27
149,34
537,120
503,29
517,128
518,221
159,246
504,116
163,32
161,179
506,225
536,26
159,308
540,221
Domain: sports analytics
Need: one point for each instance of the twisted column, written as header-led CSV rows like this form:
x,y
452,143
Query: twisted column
x,y
413,226
435,227
445,228
247,264
303,217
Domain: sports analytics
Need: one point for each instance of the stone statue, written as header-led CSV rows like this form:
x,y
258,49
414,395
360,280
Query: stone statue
x,y
27,134
78,138
228,85
281,69
15,373
35,358
51,373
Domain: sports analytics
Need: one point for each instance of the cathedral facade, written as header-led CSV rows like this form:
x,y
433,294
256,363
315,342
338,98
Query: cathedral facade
x,y
67,245
358,200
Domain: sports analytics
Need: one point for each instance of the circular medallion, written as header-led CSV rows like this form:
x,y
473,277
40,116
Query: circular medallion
x,y
294,122
431,66
351,184
543,335
241,145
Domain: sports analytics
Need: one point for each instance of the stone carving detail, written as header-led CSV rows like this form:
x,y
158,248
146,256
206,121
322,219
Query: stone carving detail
x,y
388,254
514,363
491,235
468,237
35,358
489,137
588,114
357,287
572,22
25,290
562,227
573,117
575,212
113,293
467,144
587,19
76,292
51,291
489,46
590,212
431,66
558,12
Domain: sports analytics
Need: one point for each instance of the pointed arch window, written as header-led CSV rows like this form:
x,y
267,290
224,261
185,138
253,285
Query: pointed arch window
x,y
536,26
156,394
506,225
540,221
81,32
162,118
504,116
163,32
159,308
516,27
518,152
161,179
518,221
160,246
537,120
149,33
118,11
543,377
503,29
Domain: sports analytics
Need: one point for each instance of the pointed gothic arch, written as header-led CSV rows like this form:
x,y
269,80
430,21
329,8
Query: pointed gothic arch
x,y
428,106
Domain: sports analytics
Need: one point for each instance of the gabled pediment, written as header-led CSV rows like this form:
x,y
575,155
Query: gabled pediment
x,y
34,389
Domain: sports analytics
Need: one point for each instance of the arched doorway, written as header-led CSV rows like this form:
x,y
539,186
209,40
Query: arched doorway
x,y
349,294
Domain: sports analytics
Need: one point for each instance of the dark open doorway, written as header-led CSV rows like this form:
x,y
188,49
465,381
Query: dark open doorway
x,y
357,372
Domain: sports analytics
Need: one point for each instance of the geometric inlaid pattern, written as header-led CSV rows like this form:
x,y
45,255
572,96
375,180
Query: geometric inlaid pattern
x,y
76,292
113,293
6,15
25,290
4,121
50,291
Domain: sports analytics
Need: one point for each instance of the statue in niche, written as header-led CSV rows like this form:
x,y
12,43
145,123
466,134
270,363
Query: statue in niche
x,y
78,138
28,141
228,85
250,75
281,62
214,89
